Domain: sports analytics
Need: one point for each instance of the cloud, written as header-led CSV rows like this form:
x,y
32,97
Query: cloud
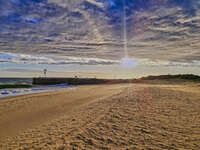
x,y
28,59
158,63
158,30
125,62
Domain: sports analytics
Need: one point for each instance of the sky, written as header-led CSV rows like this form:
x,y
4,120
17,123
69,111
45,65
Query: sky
x,y
86,38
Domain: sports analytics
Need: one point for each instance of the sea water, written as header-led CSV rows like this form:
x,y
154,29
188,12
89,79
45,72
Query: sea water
x,y
36,89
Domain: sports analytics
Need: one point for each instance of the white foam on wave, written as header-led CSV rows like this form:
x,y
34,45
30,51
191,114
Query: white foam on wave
x,y
40,89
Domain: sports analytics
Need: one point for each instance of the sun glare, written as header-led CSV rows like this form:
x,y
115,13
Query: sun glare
x,y
128,62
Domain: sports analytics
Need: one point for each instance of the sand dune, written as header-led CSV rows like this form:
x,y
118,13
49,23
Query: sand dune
x,y
126,116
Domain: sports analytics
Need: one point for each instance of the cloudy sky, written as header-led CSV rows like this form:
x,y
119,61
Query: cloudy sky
x,y
87,37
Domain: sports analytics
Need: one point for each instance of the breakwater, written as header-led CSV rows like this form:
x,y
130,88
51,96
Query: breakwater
x,y
76,81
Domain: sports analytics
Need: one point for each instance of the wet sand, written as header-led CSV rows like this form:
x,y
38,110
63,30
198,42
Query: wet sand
x,y
124,116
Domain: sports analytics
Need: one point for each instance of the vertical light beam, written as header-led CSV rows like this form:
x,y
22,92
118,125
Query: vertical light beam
x,y
126,61
125,29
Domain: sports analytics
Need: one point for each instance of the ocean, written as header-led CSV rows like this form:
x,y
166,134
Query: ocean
x,y
16,81
34,89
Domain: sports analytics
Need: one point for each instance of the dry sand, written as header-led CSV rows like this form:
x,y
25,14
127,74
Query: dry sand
x,y
126,116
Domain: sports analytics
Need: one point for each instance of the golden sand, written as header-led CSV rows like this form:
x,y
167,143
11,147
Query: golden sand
x,y
126,116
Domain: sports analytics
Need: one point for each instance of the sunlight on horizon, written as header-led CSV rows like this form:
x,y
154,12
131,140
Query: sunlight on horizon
x,y
128,62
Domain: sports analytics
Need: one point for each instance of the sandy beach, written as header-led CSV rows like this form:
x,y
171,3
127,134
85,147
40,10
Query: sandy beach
x,y
122,116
